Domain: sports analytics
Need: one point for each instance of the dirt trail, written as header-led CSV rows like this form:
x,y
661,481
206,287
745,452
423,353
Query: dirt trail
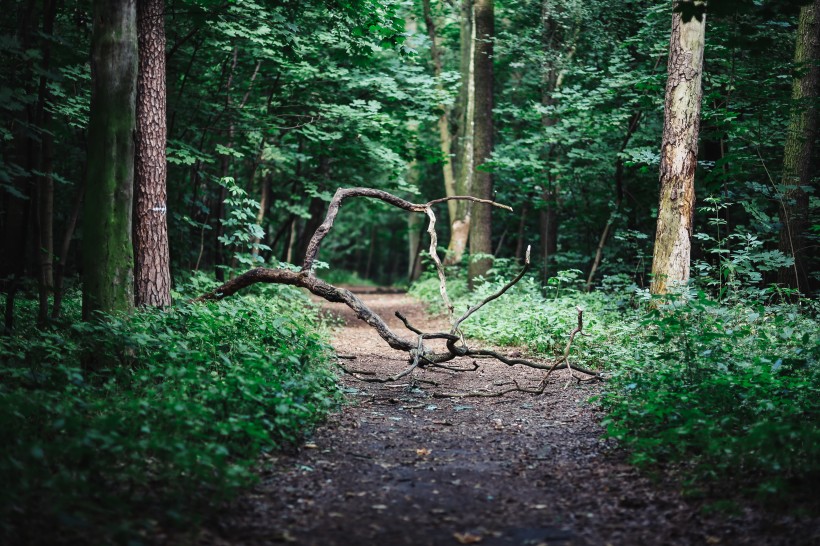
x,y
398,466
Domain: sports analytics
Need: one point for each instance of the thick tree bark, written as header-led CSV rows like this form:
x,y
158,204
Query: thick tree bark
x,y
108,258
445,140
460,227
798,167
481,223
679,153
152,274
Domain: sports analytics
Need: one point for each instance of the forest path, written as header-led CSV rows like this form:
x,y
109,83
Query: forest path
x,y
397,466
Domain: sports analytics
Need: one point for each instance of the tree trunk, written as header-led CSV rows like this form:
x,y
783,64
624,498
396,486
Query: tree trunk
x,y
619,198
59,270
549,227
445,141
481,223
797,158
45,179
316,210
263,209
679,153
108,257
152,274
460,227
224,172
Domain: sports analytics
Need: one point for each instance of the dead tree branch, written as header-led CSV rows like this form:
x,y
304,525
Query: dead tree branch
x,y
419,354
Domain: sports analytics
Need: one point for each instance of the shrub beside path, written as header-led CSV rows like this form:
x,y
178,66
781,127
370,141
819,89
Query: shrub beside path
x,y
399,466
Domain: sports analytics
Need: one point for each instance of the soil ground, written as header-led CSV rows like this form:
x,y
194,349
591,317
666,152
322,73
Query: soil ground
x,y
399,466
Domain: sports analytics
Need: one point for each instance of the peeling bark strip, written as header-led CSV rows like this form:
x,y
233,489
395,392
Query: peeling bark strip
x,y
679,153
152,274
419,355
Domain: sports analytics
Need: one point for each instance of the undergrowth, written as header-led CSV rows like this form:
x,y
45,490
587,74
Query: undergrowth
x,y
115,429
725,385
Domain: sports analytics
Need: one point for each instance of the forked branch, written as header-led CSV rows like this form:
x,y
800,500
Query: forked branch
x,y
419,354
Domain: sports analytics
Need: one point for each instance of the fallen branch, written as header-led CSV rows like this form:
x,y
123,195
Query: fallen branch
x,y
420,356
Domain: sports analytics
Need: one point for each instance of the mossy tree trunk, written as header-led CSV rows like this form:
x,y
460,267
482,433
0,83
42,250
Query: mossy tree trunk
x,y
679,152
797,158
481,222
108,258
152,275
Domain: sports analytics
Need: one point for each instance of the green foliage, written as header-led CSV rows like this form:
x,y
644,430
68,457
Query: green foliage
x,y
110,429
242,233
729,389
733,391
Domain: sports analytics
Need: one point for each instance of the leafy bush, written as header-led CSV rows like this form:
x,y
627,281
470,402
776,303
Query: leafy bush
x,y
113,428
733,391
729,388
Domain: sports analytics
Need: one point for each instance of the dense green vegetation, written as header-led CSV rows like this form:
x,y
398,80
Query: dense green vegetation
x,y
150,421
116,423
729,390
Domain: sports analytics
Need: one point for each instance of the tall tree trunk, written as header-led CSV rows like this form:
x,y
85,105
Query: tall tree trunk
x,y
263,209
460,227
108,257
445,141
679,153
45,178
520,243
152,273
797,158
552,76
481,224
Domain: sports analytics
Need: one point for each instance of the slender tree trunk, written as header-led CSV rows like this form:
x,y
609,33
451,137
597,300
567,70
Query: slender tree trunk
x,y
679,153
45,179
263,209
59,270
798,167
445,141
460,227
368,270
481,224
619,198
152,273
414,229
108,257
520,243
